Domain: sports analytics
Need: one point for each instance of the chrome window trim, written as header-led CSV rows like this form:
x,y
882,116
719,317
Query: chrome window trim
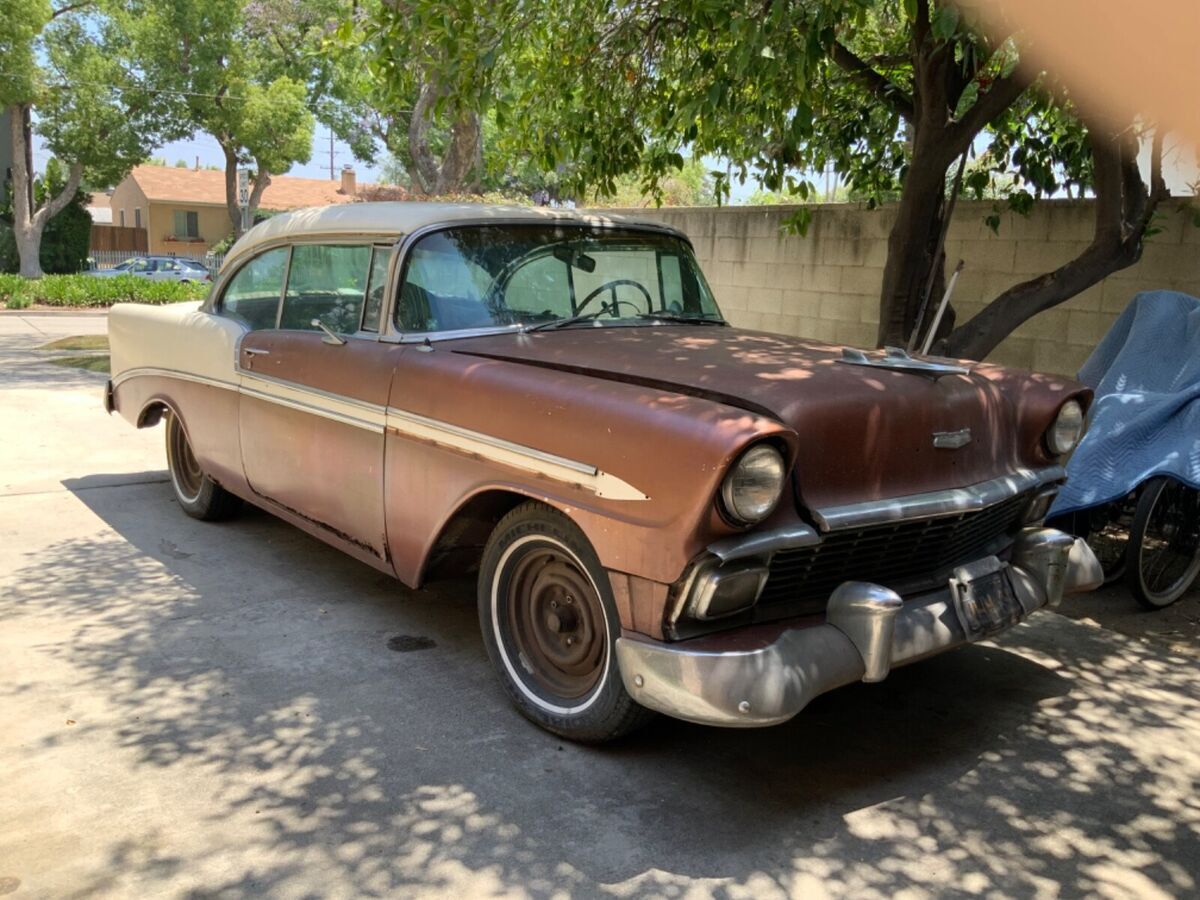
x,y
935,504
287,276
406,242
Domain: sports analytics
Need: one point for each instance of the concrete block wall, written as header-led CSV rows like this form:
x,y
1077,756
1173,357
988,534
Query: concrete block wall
x,y
826,284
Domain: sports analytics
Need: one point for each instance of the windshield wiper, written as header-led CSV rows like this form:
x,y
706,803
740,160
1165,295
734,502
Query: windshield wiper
x,y
681,317
564,322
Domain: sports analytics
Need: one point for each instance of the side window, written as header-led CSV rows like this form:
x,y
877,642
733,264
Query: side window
x,y
376,287
326,282
252,296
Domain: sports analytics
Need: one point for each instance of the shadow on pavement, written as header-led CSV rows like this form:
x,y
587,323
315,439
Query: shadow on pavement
x,y
260,656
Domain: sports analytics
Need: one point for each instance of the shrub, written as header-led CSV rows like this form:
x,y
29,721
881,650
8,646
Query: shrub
x,y
89,291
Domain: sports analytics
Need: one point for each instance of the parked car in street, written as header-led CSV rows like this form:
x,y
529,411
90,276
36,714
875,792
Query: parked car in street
x,y
158,268
665,512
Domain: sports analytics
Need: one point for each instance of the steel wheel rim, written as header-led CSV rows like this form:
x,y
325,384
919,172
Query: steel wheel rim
x,y
1169,553
185,470
556,623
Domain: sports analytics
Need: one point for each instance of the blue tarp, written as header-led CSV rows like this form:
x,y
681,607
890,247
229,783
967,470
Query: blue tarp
x,y
1146,417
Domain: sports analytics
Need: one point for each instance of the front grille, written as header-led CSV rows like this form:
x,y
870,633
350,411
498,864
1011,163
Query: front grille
x,y
898,555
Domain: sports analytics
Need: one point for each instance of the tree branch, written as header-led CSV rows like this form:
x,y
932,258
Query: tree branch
x,y
1000,96
1121,223
876,84
70,7
59,202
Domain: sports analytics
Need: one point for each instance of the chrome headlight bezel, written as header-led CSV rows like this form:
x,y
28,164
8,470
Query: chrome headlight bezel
x,y
1066,431
760,468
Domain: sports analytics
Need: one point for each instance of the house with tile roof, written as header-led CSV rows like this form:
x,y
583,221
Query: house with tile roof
x,y
183,211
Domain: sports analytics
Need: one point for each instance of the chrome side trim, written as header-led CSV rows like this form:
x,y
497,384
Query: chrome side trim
x,y
759,543
172,373
935,503
377,419
323,411
507,453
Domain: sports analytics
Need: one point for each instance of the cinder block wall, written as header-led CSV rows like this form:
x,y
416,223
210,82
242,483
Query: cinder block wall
x,y
826,284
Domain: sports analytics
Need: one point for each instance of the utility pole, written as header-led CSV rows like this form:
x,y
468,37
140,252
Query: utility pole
x,y
331,154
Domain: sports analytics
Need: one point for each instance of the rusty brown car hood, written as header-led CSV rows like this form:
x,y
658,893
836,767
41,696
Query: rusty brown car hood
x,y
864,433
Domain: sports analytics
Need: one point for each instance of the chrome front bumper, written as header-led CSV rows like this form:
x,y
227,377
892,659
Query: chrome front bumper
x,y
743,680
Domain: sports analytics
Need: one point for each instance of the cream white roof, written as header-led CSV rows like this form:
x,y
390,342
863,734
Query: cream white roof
x,y
394,219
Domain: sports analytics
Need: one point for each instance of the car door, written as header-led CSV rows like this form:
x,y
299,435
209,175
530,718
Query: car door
x,y
312,406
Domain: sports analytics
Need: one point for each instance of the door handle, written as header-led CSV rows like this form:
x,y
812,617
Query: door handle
x,y
255,352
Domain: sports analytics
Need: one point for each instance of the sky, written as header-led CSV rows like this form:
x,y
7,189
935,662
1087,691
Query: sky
x,y
210,154
1180,168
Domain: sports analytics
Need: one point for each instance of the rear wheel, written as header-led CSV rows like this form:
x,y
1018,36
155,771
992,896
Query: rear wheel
x,y
1164,543
198,495
550,627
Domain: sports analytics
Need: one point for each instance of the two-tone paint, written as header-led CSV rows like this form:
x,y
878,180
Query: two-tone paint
x,y
377,445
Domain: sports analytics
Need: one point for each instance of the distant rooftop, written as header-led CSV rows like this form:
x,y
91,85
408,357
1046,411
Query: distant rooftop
x,y
206,187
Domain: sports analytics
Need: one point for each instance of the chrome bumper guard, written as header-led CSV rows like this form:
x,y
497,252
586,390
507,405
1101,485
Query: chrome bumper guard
x,y
868,631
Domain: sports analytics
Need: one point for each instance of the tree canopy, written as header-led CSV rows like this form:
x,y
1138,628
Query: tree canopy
x,y
248,74
67,75
891,93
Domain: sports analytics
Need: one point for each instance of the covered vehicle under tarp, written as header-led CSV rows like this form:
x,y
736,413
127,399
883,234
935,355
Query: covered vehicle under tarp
x,y
1146,417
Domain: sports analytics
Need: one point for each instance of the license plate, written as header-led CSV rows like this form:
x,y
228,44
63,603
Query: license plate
x,y
986,603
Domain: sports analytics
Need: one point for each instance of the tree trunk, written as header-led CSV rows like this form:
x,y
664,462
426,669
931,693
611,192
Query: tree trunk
x,y
231,188
29,222
913,245
452,174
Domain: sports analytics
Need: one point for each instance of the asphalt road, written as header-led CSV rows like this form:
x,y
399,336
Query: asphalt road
x,y
217,710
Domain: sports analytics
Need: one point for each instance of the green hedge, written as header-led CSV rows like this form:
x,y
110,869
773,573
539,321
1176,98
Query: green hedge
x,y
86,290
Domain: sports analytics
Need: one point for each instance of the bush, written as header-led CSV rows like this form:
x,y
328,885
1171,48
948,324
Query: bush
x,y
66,239
89,291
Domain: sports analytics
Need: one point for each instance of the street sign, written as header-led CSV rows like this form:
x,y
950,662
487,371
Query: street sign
x,y
244,196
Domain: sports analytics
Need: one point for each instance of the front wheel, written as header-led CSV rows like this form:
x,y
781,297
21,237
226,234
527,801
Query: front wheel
x,y
550,627
1164,543
198,495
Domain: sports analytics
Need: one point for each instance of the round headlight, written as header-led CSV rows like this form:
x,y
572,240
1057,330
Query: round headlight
x,y
753,485
1063,436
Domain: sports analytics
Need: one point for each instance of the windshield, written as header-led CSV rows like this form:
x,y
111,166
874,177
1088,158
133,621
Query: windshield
x,y
484,276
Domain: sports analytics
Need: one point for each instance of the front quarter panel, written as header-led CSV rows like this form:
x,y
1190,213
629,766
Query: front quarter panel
x,y
673,449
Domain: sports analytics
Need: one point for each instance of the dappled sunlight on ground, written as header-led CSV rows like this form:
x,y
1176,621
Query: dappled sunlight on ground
x,y
241,728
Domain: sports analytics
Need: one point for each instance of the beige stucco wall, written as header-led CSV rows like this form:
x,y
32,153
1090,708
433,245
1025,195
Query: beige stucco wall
x,y
826,284
213,222
128,196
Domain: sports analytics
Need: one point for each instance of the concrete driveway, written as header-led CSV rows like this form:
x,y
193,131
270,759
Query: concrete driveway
x,y
217,710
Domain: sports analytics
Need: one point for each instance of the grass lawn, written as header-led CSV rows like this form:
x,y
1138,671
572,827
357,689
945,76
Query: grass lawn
x,y
79,342
97,363
95,345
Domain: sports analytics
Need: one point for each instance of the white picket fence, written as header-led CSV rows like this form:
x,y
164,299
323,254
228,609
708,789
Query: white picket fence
x,y
107,259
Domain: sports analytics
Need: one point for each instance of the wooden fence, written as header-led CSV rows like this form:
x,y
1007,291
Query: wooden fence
x,y
114,238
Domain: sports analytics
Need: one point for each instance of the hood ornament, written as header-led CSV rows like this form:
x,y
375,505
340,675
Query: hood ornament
x,y
952,440
898,360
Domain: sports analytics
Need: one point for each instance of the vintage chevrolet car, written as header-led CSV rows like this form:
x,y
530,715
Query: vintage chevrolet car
x,y
666,513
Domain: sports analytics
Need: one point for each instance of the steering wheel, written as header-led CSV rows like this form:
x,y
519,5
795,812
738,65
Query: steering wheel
x,y
612,286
